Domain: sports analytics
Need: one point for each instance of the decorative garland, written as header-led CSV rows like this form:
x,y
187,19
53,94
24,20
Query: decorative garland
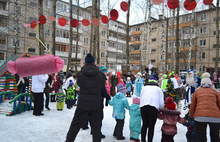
x,y
171,92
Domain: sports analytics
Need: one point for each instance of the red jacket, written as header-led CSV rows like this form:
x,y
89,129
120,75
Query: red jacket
x,y
170,118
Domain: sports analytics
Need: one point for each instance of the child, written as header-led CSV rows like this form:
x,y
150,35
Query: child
x,y
70,95
170,117
108,87
60,100
119,103
128,86
122,82
135,119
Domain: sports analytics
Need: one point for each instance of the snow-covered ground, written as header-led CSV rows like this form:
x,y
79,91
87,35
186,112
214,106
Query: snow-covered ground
x,y
53,127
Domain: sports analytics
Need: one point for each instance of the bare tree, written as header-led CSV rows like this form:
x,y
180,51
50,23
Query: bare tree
x,y
172,42
54,29
16,26
77,38
41,28
107,35
92,35
177,41
127,38
97,32
217,38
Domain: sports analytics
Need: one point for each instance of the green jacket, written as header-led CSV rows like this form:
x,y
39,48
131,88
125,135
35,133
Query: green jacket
x,y
164,84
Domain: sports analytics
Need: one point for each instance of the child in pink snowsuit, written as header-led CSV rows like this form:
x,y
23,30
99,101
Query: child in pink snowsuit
x,y
108,87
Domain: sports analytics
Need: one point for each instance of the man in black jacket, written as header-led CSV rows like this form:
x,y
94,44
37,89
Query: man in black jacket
x,y
91,81
70,72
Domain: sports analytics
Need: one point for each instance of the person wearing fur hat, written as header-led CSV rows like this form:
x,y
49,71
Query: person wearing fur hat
x,y
119,103
60,100
138,85
151,100
91,81
135,119
205,109
170,117
128,86
113,82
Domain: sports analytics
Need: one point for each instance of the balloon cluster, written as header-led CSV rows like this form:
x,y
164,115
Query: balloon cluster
x,y
171,92
74,22
188,4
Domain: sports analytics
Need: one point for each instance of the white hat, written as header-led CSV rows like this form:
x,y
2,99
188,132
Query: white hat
x,y
113,73
206,78
139,73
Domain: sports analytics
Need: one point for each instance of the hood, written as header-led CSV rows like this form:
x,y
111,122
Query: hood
x,y
134,107
119,95
90,70
151,84
170,112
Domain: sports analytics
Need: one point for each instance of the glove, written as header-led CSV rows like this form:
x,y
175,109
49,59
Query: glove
x,y
106,103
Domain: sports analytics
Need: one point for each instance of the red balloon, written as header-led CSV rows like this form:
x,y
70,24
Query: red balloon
x,y
85,22
74,23
62,22
42,19
207,2
33,24
104,19
95,22
190,4
157,2
173,4
124,6
114,14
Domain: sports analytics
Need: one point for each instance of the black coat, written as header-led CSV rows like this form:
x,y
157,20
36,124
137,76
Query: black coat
x,y
26,82
47,87
69,74
91,81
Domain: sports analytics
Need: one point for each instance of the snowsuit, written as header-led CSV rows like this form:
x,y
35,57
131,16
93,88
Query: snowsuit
x,y
119,103
135,121
128,87
70,97
60,101
169,129
138,86
191,130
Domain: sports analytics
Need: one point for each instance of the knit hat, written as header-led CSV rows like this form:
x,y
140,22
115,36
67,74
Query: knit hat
x,y
136,100
103,69
71,83
206,78
170,103
121,88
89,59
60,89
165,75
139,73
128,78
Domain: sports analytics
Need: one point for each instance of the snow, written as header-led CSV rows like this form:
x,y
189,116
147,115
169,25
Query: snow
x,y
53,127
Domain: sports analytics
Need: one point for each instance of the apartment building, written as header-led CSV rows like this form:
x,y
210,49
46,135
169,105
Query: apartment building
x,y
28,11
203,42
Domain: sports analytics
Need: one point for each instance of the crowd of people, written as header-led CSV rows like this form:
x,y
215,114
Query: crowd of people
x,y
155,96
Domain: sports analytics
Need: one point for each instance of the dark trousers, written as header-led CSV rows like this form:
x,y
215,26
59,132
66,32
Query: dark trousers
x,y
85,125
129,94
79,118
38,103
149,118
52,98
21,90
47,100
167,138
118,132
201,131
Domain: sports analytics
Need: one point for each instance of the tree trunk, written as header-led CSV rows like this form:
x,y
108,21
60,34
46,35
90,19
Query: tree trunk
x,y
16,25
97,34
177,41
92,35
172,42
191,33
217,38
77,38
164,41
54,30
107,36
150,32
70,38
127,39
41,28
166,51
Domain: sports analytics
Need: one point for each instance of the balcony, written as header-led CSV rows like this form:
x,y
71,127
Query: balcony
x,y
4,12
112,49
184,25
67,41
169,38
135,62
136,33
115,39
67,27
4,30
187,48
115,29
182,61
65,54
3,46
135,52
135,42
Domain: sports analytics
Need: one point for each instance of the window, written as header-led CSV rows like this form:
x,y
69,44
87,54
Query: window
x,y
74,50
203,42
145,47
102,55
34,4
138,29
48,46
48,3
102,43
32,35
202,30
103,33
47,33
135,48
144,58
214,33
87,16
153,61
214,45
85,52
137,38
33,50
215,18
154,29
13,43
86,28
202,55
202,68
154,39
162,57
3,21
19,10
153,50
2,39
86,40
1,6
135,57
32,18
62,48
203,17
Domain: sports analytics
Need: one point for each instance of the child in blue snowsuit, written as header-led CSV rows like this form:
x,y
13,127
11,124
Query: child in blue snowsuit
x,y
135,119
119,103
128,86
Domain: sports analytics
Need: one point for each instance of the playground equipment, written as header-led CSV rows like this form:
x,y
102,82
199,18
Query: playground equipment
x,y
11,104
